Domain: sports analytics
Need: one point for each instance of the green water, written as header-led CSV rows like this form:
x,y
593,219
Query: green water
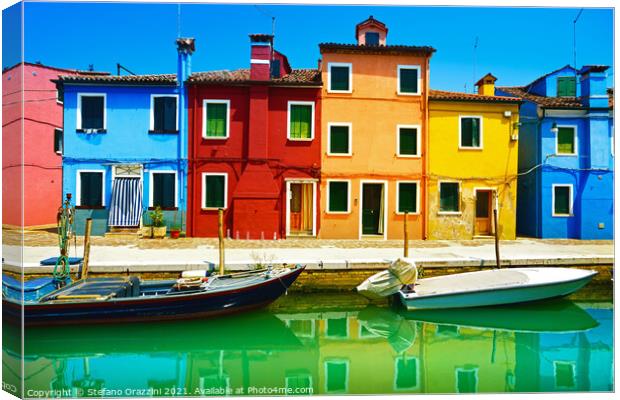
x,y
326,344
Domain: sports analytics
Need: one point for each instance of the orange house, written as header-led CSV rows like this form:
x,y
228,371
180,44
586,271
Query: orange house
x,y
374,124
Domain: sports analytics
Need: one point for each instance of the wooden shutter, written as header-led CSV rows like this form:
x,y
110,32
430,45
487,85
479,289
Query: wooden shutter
x,y
338,196
408,80
214,187
470,132
566,140
339,139
567,86
91,189
339,78
562,200
407,197
449,196
408,141
164,190
92,112
301,120
216,119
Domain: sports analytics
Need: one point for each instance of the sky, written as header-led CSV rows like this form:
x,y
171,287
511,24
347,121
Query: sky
x,y
517,45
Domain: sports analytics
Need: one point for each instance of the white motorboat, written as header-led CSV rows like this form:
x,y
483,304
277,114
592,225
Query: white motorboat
x,y
493,287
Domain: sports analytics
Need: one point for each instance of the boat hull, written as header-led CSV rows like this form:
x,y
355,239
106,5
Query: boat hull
x,y
495,295
195,305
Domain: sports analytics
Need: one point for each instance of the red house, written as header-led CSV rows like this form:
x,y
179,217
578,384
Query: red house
x,y
254,148
33,126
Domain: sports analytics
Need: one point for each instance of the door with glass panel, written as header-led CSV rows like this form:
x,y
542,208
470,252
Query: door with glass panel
x,y
301,208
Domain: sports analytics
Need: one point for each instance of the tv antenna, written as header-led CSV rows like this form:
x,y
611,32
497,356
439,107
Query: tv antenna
x,y
575,39
474,77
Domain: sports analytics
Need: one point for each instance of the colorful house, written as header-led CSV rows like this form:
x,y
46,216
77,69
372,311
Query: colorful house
x,y
472,156
126,146
565,186
254,148
374,121
32,144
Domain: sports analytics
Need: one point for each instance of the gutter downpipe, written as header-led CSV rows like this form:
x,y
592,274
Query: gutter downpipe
x,y
425,150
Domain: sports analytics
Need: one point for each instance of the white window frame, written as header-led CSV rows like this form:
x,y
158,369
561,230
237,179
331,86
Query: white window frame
x,y
456,378
347,334
63,141
416,67
78,185
570,199
204,118
418,129
417,199
348,181
461,147
329,77
78,123
386,197
575,141
460,211
152,113
288,120
337,361
329,139
203,202
417,370
152,185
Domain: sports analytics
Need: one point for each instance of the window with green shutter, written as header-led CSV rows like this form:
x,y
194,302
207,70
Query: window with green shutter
x,y
164,190
561,200
566,140
339,139
92,111
408,80
164,114
339,78
471,132
91,189
407,141
300,121
406,373
216,125
567,86
449,196
407,197
338,193
215,191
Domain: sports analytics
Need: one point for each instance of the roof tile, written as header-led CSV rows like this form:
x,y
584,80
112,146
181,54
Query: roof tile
x,y
168,79
301,77
459,96
381,49
547,102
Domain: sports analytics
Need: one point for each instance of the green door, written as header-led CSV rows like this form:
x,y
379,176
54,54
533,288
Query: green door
x,y
371,208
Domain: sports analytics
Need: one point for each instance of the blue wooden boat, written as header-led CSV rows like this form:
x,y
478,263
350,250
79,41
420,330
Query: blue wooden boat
x,y
107,300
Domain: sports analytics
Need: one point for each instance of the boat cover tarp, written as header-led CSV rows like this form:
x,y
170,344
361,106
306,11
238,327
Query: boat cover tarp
x,y
385,283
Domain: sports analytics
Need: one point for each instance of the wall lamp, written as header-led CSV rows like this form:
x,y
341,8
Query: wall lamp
x,y
554,128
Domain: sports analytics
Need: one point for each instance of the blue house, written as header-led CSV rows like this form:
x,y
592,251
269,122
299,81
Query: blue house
x,y
125,146
565,182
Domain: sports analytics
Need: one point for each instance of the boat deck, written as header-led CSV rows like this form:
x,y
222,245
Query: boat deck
x,y
473,282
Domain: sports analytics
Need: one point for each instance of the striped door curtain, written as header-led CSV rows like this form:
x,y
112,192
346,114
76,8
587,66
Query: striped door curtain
x,y
126,206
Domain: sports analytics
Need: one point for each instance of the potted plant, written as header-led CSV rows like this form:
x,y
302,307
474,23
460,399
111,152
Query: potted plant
x,y
175,229
159,227
146,231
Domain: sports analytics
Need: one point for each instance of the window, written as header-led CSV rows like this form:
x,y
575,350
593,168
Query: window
x,y
337,328
340,76
164,113
336,376
338,196
566,140
89,189
409,79
216,119
214,192
91,112
60,94
466,380
300,120
449,197
567,86
407,197
298,380
372,39
470,132
408,141
562,200
339,140
163,190
407,374
564,373
58,138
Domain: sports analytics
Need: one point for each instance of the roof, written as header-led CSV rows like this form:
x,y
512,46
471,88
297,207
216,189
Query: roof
x,y
593,68
459,96
153,79
73,71
546,102
381,49
370,21
481,80
610,93
297,77
551,73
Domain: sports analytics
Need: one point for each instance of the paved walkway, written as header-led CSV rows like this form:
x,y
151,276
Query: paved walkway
x,y
322,255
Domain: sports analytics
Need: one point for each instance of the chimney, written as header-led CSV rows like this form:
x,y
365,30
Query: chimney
x,y
593,86
185,48
260,56
486,85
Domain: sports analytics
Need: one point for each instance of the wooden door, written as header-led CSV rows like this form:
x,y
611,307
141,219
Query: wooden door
x,y
301,212
371,208
295,207
484,210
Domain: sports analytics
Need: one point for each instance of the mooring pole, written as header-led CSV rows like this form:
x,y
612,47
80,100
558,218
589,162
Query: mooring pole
x,y
220,235
406,236
89,224
497,260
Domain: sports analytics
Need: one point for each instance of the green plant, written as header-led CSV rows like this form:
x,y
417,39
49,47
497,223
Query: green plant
x,y
157,217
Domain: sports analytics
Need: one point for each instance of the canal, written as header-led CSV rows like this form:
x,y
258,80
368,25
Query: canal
x,y
326,344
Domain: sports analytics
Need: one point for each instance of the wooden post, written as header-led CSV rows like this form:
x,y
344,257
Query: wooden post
x,y
406,236
89,224
220,234
497,260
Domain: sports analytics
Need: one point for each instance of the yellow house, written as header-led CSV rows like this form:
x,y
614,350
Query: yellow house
x,y
374,119
472,156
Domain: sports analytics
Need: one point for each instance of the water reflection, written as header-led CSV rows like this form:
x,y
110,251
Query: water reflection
x,y
551,346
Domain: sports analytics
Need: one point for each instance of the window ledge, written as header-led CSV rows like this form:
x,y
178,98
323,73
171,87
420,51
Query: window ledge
x,y
563,215
91,131
565,154
213,208
471,148
152,131
165,208
338,212
449,213
300,140
408,156
409,213
339,154
408,94
215,137
90,207
340,91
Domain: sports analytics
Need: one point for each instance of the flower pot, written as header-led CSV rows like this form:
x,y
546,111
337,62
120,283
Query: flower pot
x,y
174,233
146,231
159,232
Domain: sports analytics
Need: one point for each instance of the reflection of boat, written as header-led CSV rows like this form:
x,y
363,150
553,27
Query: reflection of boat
x,y
559,315
129,299
383,322
494,287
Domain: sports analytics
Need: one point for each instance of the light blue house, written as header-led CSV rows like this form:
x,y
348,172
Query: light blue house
x,y
565,186
125,146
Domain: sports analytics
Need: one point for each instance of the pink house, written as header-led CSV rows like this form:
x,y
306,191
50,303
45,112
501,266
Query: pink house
x,y
39,117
